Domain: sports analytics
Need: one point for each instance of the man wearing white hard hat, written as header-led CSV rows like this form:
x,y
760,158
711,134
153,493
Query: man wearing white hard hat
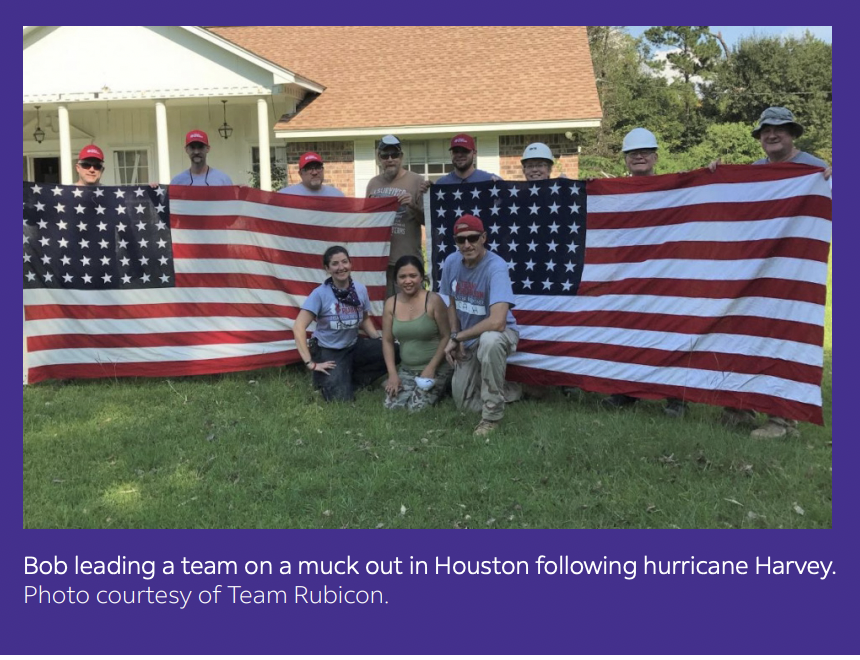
x,y
640,157
537,162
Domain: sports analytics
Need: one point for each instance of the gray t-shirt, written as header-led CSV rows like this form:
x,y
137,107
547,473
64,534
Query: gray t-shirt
x,y
802,157
478,176
474,290
337,324
302,189
211,177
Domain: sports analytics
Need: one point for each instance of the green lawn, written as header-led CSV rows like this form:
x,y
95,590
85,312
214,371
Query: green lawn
x,y
259,450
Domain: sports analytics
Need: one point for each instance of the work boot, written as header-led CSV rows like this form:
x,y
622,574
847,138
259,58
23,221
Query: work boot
x,y
776,428
675,408
737,417
618,401
486,427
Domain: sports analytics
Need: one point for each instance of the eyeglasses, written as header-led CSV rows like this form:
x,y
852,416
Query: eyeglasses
x,y
197,146
90,166
312,168
390,155
640,152
472,238
535,165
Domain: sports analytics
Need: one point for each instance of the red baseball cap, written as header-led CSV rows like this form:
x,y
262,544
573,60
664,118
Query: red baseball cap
x,y
468,223
196,136
463,141
91,151
309,157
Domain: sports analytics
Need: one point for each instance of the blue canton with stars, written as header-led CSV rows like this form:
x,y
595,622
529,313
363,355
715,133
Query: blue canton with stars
x,y
96,237
538,227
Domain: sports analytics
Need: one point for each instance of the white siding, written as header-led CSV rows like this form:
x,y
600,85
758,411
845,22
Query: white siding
x,y
488,153
365,164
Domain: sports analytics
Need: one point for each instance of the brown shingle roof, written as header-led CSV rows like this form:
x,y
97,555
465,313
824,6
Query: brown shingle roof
x,y
418,76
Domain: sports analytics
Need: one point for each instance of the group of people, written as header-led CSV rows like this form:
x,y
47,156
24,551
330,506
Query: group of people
x,y
424,344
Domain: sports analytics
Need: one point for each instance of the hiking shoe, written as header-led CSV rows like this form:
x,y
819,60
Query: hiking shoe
x,y
618,401
735,417
675,408
774,431
486,427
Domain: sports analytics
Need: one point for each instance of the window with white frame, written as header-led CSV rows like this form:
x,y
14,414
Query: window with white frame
x,y
429,158
277,154
131,166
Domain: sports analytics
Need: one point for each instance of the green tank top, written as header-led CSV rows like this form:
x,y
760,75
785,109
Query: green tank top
x,y
419,339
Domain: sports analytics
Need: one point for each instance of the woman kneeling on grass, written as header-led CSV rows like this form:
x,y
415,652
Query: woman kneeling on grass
x,y
418,319
338,357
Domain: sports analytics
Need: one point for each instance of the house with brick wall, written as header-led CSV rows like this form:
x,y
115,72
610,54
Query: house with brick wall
x,y
285,90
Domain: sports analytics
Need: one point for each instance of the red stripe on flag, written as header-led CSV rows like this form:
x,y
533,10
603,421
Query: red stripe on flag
x,y
163,369
154,311
269,255
762,403
707,361
334,235
57,342
805,333
763,287
795,248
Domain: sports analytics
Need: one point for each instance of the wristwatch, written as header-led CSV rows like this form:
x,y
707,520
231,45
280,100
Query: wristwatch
x,y
454,338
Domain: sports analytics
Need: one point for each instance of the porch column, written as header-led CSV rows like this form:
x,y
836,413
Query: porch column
x,y
263,133
66,172
162,143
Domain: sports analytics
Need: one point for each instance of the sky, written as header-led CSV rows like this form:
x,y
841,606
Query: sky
x,y
732,33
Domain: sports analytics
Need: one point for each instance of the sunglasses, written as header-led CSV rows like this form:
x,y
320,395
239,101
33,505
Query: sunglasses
x,y
471,238
312,168
91,166
390,156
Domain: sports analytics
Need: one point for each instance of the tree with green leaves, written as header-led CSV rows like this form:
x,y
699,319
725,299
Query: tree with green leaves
x,y
796,73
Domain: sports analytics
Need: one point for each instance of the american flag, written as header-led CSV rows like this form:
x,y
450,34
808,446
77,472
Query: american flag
x,y
709,287
120,282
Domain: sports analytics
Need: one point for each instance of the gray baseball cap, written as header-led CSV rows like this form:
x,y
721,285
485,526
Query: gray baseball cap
x,y
777,116
389,141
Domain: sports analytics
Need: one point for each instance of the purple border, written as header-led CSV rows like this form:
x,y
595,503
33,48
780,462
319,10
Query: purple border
x,y
483,614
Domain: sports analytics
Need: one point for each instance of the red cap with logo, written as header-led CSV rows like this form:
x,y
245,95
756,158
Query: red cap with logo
x,y
462,141
468,223
196,136
91,151
309,157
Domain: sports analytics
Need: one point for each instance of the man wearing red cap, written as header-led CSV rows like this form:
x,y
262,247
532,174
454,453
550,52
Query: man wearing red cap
x,y
311,173
90,165
483,329
463,153
199,174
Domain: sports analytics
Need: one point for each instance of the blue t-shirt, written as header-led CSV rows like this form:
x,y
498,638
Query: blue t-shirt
x,y
478,176
802,157
212,177
474,290
337,323
302,189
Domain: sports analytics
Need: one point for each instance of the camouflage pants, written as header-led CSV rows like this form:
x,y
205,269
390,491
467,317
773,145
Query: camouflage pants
x,y
479,381
413,398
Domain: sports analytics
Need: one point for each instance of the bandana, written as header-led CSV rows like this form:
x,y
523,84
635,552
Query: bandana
x,y
348,296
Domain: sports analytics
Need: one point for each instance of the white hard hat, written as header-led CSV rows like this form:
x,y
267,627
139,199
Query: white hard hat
x,y
537,150
639,138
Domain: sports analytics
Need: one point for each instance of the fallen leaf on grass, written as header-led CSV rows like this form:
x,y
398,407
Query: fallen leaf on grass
x,y
402,509
327,513
668,460
732,501
798,509
380,526
752,515
299,442
491,521
58,481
